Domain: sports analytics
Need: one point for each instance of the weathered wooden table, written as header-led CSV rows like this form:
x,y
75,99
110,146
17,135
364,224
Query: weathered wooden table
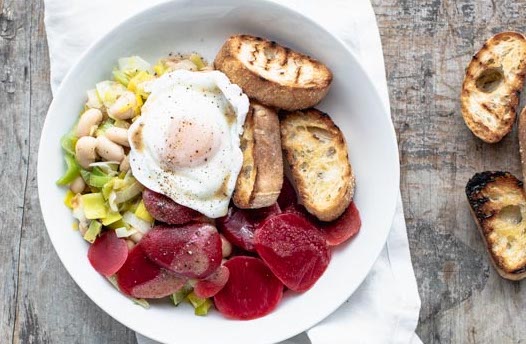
x,y
427,44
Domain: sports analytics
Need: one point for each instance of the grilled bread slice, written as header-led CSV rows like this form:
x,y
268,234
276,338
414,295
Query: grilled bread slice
x,y
272,74
492,85
522,141
259,182
498,206
316,152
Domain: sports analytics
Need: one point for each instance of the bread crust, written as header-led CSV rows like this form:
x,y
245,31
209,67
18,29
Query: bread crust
x,y
316,152
498,206
522,141
261,178
492,85
272,74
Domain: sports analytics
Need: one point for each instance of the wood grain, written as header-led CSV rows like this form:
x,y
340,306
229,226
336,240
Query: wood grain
x,y
40,303
427,44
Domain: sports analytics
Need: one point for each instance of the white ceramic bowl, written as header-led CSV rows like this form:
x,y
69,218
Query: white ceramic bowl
x,y
183,26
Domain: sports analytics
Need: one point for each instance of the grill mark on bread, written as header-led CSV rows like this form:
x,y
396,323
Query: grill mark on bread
x,y
497,202
492,85
298,73
268,72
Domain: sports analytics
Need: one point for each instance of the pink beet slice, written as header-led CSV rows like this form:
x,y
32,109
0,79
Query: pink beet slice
x,y
343,228
192,250
239,225
108,253
141,278
287,196
164,209
211,285
293,249
252,291
335,232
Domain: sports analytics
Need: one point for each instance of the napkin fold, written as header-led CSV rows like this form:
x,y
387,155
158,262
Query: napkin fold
x,y
386,306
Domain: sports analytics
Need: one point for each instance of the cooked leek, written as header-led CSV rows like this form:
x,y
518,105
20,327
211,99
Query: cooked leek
x,y
93,231
94,206
197,60
133,64
203,308
72,170
121,77
142,213
111,217
180,295
93,99
136,83
135,222
108,91
68,199
123,232
69,141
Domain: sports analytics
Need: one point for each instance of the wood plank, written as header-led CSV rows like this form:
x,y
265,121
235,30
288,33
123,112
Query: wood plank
x,y
51,308
14,150
427,45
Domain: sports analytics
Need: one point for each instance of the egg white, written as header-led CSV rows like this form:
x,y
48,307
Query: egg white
x,y
209,101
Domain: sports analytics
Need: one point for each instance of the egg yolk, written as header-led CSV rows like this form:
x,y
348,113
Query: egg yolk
x,y
189,143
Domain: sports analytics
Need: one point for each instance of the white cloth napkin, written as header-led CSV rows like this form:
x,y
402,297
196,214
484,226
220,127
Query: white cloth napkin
x,y
386,306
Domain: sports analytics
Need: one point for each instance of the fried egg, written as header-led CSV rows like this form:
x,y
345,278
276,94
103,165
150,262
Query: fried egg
x,y
185,144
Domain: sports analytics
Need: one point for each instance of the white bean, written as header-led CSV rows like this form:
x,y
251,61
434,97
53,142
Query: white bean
x,y
130,244
109,150
118,135
226,246
78,185
88,123
136,237
125,164
124,106
85,151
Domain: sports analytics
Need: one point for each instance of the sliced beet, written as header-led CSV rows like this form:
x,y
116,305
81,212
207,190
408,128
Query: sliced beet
x,y
211,285
287,196
141,278
108,253
251,291
192,250
239,225
343,228
335,232
164,209
293,249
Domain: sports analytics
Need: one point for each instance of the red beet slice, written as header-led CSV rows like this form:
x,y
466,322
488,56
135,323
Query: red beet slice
x,y
108,253
193,250
343,228
335,232
252,291
211,285
293,249
164,209
239,225
141,278
287,196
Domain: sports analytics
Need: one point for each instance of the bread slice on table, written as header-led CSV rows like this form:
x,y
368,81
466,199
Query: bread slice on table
x,y
259,182
272,74
522,141
316,152
498,206
492,85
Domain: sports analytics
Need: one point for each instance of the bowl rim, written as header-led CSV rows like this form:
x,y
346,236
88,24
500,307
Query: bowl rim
x,y
108,36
